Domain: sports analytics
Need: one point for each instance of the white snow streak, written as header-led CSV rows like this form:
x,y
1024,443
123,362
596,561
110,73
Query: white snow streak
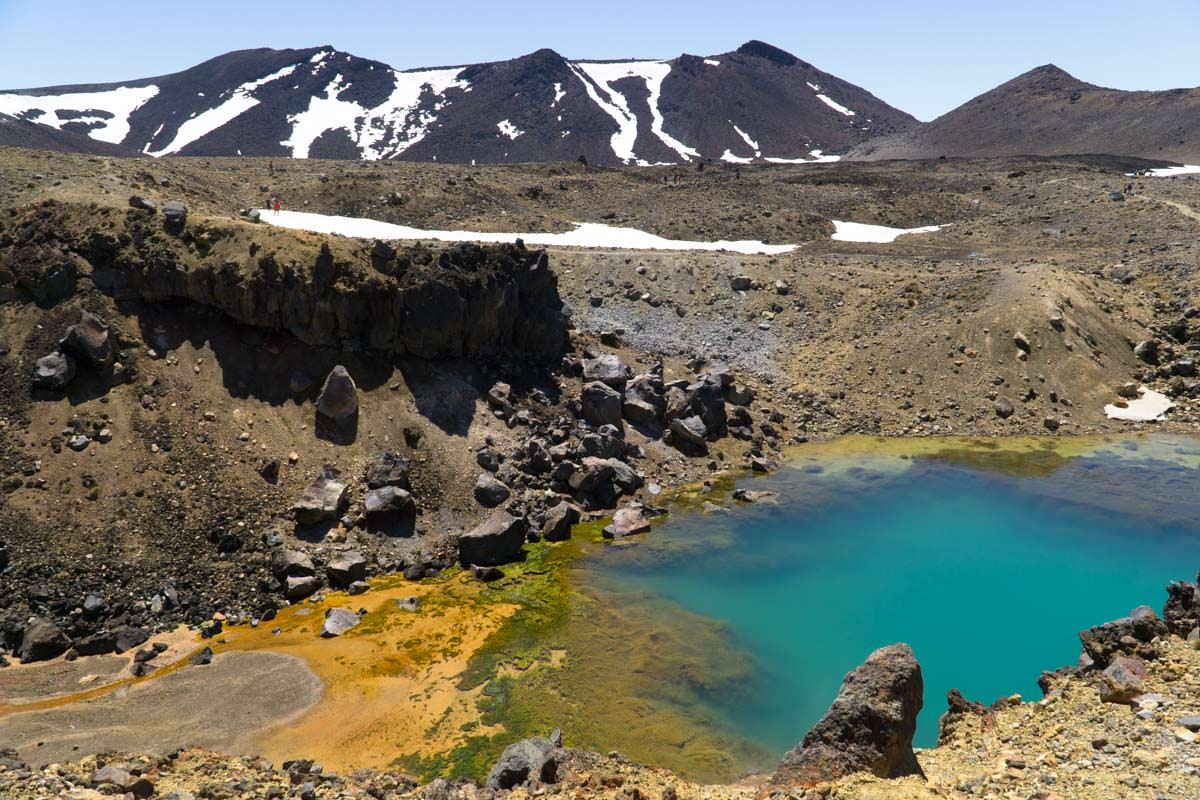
x,y
879,234
586,234
240,101
732,159
384,131
746,138
1150,406
835,105
1169,172
712,62
559,94
508,129
46,109
653,73
817,158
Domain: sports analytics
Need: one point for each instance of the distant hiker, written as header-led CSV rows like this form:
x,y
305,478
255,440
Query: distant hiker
x,y
271,166
737,173
1129,188
275,207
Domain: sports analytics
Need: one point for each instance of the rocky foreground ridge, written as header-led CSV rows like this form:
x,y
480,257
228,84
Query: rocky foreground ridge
x,y
1122,723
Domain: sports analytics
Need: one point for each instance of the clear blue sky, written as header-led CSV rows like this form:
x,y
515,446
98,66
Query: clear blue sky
x,y
924,57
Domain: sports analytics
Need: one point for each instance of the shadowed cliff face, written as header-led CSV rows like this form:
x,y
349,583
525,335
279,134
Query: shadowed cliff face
x,y
467,301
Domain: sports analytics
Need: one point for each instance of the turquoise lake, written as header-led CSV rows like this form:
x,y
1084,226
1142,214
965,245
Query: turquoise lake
x,y
985,560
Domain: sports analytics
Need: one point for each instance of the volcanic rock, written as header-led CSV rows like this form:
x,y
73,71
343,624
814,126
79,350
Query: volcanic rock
x,y
868,728
601,404
89,341
323,500
53,372
1131,635
389,469
338,621
346,568
490,492
338,399
536,757
498,540
388,502
41,640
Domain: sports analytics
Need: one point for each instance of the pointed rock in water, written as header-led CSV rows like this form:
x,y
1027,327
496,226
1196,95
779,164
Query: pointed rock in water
x,y
868,728
751,495
529,758
496,541
338,621
338,399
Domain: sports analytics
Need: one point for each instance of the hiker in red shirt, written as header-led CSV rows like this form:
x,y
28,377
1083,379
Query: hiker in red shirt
x,y
276,207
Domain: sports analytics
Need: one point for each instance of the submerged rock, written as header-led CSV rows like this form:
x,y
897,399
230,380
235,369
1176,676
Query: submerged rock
x,y
626,522
868,728
536,757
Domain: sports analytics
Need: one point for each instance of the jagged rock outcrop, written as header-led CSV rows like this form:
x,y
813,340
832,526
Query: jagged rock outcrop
x,y
868,728
536,757
466,301
1132,636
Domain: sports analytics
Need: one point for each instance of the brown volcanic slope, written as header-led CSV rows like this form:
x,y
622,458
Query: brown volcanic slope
x,y
1047,111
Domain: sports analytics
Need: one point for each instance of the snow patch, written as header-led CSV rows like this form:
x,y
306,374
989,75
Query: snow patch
x,y
1150,406
817,158
841,109
383,131
732,159
508,129
240,101
586,234
120,103
879,234
617,107
559,94
1169,172
712,62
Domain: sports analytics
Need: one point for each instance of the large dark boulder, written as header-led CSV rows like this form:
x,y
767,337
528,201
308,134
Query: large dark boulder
x,y
389,469
346,568
606,369
707,402
338,399
1132,636
388,503
498,540
558,522
868,728
323,500
53,372
537,757
490,492
89,341
41,640
601,404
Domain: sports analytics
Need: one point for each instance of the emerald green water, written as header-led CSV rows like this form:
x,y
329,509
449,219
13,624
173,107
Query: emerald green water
x,y
986,562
